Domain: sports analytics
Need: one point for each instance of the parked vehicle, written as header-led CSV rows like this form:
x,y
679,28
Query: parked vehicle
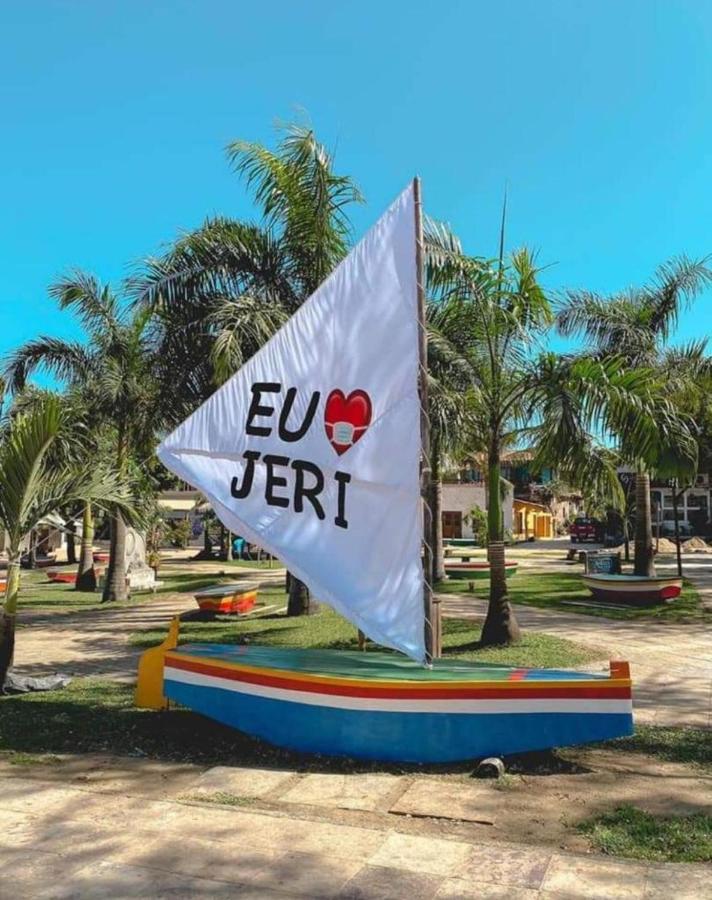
x,y
586,529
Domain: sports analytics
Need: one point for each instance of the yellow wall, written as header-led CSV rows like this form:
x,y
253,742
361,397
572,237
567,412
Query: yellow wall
x,y
532,521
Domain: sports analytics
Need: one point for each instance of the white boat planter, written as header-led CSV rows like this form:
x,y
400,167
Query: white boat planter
x,y
633,590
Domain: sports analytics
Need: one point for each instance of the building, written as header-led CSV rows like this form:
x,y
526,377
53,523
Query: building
x,y
693,506
533,508
458,501
531,520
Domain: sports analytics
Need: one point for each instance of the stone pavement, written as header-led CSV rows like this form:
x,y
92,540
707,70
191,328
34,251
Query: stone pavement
x,y
104,835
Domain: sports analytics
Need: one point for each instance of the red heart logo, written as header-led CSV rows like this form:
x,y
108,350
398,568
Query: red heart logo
x,y
346,418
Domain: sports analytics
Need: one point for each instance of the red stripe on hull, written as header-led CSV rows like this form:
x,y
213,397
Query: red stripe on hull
x,y
604,692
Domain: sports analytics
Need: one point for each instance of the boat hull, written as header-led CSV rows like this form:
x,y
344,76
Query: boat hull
x,y
226,600
445,714
633,590
60,577
475,571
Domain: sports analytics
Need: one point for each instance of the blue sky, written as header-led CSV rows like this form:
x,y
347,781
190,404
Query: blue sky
x,y
115,115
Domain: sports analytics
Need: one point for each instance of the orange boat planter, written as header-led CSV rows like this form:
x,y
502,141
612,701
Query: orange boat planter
x,y
62,577
226,599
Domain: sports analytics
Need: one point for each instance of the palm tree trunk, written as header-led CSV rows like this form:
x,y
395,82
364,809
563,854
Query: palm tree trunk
x,y
228,548
70,536
86,576
300,602
676,519
643,564
436,509
32,551
8,616
115,587
500,625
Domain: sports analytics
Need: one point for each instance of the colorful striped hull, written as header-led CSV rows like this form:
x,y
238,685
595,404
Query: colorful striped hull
x,y
384,707
633,590
62,577
232,604
470,571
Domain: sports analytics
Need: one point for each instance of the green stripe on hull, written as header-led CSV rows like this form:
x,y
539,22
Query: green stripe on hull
x,y
370,665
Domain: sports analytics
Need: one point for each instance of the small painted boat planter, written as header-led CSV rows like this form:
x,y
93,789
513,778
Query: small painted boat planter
x,y
61,577
633,590
470,571
381,706
100,556
226,600
461,542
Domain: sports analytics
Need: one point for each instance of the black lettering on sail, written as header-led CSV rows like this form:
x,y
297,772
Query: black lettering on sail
x,y
284,432
239,493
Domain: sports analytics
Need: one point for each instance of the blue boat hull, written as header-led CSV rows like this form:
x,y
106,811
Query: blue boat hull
x,y
396,736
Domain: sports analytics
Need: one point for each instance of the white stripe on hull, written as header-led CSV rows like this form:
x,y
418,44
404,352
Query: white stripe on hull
x,y
399,704
636,587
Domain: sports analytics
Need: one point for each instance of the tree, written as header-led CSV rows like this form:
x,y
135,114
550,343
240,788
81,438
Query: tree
x,y
448,397
221,291
115,372
31,487
559,404
635,326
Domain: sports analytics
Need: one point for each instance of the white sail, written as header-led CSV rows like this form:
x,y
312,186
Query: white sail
x,y
311,449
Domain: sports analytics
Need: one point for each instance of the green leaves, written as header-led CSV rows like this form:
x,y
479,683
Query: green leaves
x,y
34,484
22,453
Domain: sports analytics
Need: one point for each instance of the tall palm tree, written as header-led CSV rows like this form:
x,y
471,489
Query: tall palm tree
x,y
518,392
32,485
115,371
636,325
221,291
451,400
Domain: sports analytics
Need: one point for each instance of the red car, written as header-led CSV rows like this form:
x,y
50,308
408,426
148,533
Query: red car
x,y
584,529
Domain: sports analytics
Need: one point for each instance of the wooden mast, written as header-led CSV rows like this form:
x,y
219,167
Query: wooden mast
x,y
430,608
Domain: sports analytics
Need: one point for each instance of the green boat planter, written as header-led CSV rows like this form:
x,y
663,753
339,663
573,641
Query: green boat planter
x,y
461,542
469,571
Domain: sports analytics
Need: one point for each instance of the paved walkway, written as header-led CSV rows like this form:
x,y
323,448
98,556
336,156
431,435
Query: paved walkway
x,y
119,830
96,642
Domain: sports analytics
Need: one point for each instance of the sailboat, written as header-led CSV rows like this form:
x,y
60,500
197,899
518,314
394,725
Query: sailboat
x,y
316,450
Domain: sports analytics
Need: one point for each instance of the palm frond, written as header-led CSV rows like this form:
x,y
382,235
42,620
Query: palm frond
x,y
69,361
96,305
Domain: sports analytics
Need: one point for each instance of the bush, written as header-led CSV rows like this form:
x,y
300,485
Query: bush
x,y
179,533
477,519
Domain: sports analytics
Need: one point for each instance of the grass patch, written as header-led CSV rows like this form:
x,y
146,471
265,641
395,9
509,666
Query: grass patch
x,y
15,758
680,745
38,593
273,565
328,630
636,834
552,590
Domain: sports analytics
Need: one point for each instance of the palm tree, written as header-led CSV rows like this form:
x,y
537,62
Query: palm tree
x,y
115,373
221,291
32,485
518,392
636,326
450,402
